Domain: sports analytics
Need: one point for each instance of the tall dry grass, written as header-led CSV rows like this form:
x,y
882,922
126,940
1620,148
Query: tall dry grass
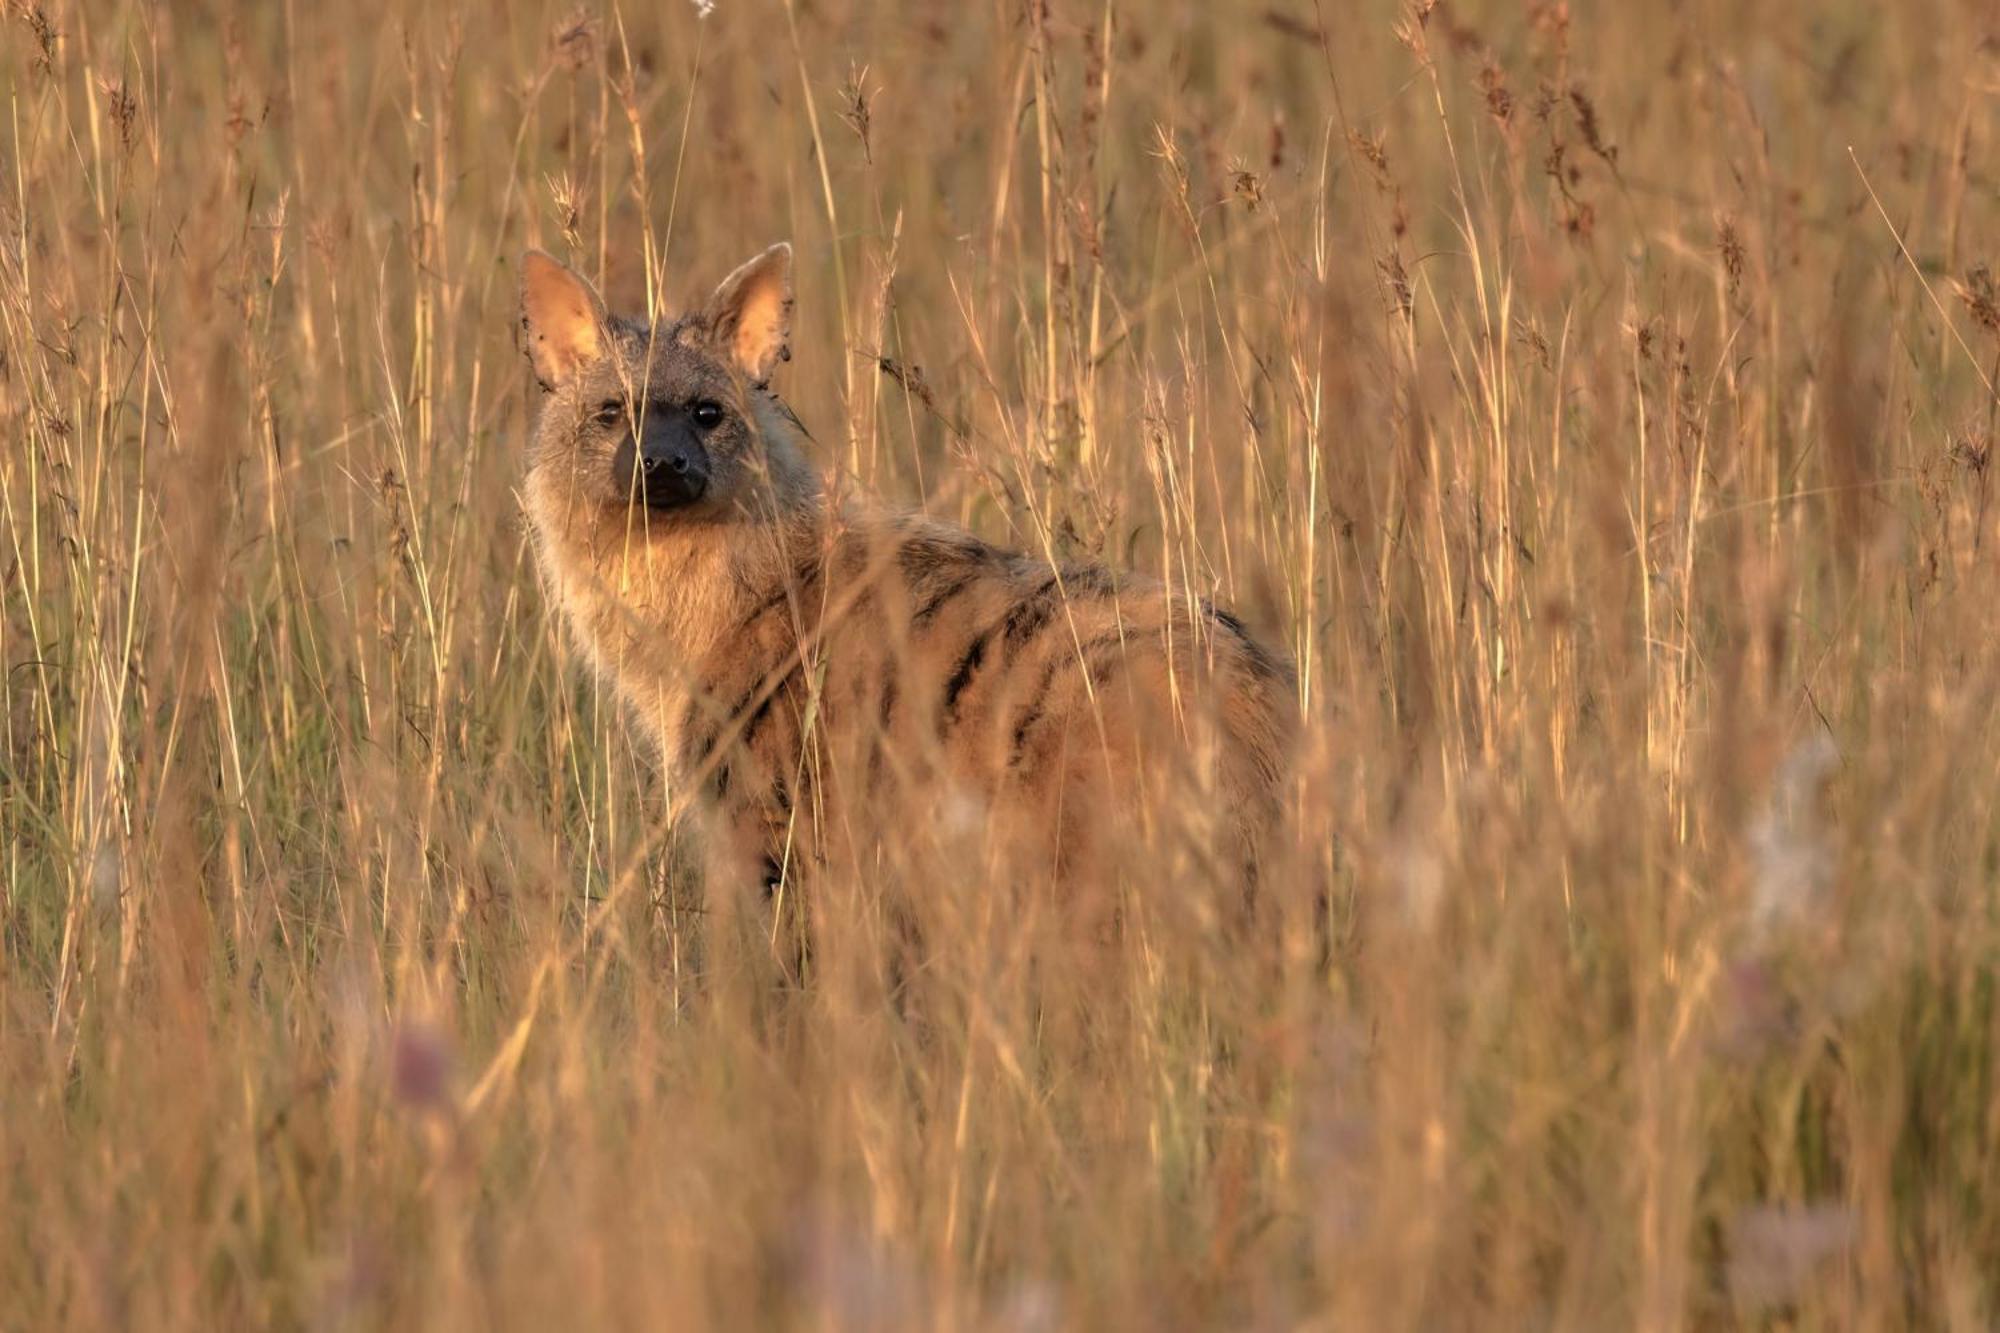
x,y
1599,405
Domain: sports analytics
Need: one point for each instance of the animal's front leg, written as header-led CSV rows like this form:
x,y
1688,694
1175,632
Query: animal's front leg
x,y
753,881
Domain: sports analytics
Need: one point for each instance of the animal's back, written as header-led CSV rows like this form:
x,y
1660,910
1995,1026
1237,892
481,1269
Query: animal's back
x,y
913,667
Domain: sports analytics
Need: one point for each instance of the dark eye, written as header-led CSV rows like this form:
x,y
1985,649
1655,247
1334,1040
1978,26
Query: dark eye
x,y
608,412
706,415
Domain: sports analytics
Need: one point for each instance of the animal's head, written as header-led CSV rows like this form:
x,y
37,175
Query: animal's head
x,y
671,422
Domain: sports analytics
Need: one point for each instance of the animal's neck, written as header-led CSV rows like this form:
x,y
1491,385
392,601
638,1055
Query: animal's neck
x,y
652,609
643,606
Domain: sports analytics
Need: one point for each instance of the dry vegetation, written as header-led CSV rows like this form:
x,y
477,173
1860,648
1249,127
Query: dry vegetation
x,y
1606,440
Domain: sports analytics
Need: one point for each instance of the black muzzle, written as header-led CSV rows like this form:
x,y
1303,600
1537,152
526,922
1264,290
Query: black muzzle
x,y
667,467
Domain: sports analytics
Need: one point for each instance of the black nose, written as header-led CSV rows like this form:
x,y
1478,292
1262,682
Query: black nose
x,y
672,468
676,464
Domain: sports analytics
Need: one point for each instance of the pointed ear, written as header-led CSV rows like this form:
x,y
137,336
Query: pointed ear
x,y
562,319
750,315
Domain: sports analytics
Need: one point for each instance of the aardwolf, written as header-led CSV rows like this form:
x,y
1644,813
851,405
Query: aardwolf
x,y
790,656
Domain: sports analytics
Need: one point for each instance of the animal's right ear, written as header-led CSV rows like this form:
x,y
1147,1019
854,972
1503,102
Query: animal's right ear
x,y
562,320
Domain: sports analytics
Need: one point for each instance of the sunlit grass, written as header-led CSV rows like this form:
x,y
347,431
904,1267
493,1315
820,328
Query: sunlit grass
x,y
1598,407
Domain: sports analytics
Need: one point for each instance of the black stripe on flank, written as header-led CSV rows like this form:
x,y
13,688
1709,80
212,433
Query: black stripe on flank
x,y
1097,658
757,719
802,577
941,595
697,740
760,717
962,674
1037,705
1259,659
1039,607
771,603
1105,654
941,567
1031,613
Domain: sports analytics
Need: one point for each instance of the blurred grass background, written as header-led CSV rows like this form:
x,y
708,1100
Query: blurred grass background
x,y
1598,404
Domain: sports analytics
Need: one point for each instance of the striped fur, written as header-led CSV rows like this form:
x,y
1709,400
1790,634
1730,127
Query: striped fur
x,y
789,656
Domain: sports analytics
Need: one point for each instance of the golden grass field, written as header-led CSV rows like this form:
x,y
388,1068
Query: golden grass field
x,y
1597,402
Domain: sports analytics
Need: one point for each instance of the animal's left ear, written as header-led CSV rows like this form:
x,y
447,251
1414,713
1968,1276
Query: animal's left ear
x,y
750,315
